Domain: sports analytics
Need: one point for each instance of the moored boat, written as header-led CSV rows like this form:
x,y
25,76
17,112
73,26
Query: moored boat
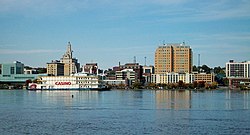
x,y
73,82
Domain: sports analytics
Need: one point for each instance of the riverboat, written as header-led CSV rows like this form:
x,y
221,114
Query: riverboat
x,y
72,82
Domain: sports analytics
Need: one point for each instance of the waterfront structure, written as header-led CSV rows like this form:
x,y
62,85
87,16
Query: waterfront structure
x,y
115,82
55,68
147,72
13,73
173,57
126,74
135,67
91,68
203,77
237,72
172,78
238,69
9,69
75,81
70,64
30,71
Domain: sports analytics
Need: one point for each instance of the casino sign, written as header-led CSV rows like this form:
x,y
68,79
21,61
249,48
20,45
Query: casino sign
x,y
62,83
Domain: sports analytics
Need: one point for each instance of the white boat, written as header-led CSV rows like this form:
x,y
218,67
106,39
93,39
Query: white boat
x,y
73,82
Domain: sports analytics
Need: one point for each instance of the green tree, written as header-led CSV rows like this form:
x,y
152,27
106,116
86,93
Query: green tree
x,y
201,84
195,69
137,85
206,69
195,84
41,70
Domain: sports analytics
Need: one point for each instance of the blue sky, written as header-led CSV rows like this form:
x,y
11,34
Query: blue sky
x,y
110,31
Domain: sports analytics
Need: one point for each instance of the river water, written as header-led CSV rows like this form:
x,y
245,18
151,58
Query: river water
x,y
124,112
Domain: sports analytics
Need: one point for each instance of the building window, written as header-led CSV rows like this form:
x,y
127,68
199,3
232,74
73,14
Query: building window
x,y
12,69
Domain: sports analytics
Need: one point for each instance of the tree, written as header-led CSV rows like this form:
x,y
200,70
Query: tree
x,y
195,84
219,70
41,70
206,69
195,69
182,85
151,85
201,84
137,85
121,86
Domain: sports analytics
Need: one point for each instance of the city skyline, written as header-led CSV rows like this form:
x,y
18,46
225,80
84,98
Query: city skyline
x,y
109,32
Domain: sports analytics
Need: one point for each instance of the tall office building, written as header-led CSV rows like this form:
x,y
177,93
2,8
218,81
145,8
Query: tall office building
x,y
238,69
237,72
173,58
66,66
55,68
71,64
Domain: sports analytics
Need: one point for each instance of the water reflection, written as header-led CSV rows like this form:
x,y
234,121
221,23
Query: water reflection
x,y
124,112
237,99
64,98
168,99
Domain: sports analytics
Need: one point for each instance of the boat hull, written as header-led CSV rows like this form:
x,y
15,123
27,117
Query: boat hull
x,y
73,89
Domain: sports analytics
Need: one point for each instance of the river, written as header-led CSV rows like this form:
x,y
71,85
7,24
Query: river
x,y
124,112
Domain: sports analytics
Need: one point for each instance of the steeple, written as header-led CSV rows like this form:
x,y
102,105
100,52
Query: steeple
x,y
69,51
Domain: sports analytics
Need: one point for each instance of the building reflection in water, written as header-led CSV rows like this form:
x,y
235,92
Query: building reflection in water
x,y
67,98
233,101
173,99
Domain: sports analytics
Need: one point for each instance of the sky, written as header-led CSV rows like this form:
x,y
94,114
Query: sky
x,y
35,32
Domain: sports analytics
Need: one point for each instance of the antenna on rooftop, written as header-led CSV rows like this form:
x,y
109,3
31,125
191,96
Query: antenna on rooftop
x,y
134,59
199,59
145,60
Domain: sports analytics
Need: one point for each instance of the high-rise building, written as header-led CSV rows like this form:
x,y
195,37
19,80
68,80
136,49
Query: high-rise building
x,y
237,73
71,64
66,66
173,58
55,68
238,69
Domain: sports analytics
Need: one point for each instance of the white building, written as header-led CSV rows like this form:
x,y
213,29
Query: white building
x,y
125,74
114,82
172,78
147,72
238,69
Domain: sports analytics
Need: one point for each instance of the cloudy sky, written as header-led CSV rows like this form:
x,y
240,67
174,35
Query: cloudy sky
x,y
111,31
